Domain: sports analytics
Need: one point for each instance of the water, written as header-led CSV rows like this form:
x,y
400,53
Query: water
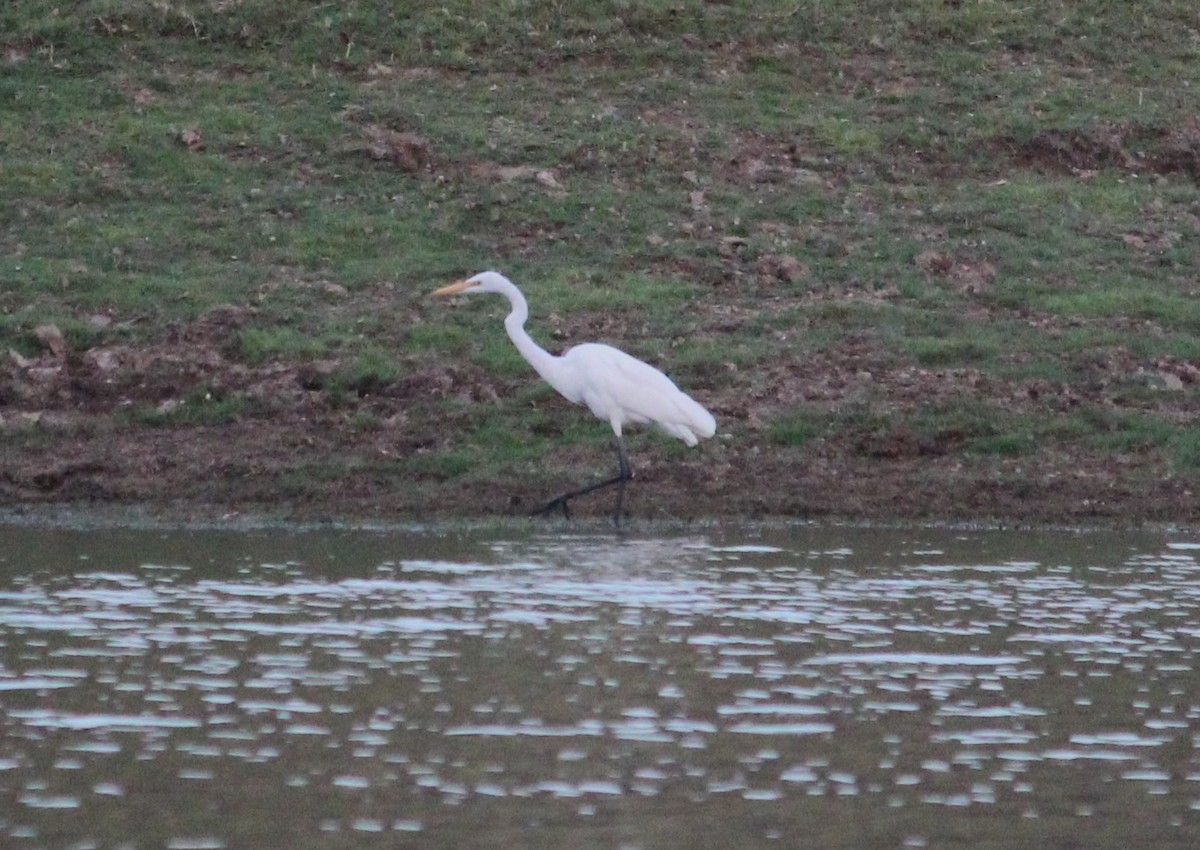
x,y
827,688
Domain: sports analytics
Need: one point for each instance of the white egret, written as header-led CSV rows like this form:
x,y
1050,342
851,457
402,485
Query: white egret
x,y
616,387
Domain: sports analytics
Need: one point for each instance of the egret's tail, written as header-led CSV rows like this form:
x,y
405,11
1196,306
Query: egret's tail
x,y
693,424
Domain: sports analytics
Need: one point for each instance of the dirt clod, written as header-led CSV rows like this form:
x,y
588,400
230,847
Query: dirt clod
x,y
408,151
52,338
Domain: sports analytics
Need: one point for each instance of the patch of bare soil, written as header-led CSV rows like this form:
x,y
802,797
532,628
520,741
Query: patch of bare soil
x,y
1125,146
108,426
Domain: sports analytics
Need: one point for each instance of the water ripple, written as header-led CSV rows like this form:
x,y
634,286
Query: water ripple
x,y
428,692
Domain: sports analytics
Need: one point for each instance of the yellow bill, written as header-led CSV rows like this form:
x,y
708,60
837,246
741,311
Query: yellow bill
x,y
457,286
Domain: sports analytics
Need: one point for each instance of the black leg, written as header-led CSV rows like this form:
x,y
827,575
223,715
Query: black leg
x,y
624,473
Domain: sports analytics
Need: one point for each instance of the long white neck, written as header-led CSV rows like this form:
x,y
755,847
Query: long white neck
x,y
546,364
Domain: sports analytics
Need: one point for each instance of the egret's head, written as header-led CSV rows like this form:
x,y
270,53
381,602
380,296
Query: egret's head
x,y
482,282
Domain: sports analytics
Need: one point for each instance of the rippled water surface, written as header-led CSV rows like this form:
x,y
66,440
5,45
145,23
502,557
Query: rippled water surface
x,y
804,688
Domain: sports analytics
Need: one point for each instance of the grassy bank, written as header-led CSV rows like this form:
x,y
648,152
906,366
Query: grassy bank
x,y
935,260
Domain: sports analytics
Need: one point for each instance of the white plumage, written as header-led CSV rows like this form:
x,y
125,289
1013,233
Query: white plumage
x,y
616,387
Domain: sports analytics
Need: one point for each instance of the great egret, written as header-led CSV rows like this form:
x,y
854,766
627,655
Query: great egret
x,y
616,387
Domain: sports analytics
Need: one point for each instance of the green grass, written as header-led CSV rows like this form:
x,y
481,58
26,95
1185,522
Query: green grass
x,y
201,407
853,137
258,345
367,374
951,351
797,428
981,428
443,465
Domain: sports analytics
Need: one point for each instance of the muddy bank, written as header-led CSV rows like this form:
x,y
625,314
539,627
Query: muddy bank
x,y
127,426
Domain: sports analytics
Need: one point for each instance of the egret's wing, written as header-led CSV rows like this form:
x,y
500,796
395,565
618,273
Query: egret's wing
x,y
641,393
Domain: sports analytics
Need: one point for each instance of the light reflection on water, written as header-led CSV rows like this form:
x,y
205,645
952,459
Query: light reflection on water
x,y
834,688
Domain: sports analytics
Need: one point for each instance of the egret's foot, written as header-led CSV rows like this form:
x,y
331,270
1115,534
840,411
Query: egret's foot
x,y
619,480
560,502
